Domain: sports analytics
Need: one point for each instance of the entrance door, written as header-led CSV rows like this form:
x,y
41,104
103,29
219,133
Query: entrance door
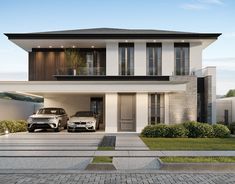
x,y
97,108
126,120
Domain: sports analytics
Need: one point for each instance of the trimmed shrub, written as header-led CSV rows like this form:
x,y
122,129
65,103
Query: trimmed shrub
x,y
177,131
221,131
197,129
159,130
13,126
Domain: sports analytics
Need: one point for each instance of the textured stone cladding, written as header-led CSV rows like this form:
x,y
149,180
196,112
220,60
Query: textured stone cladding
x,y
183,105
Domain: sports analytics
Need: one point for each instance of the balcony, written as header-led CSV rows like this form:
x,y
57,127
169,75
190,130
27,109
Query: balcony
x,y
81,71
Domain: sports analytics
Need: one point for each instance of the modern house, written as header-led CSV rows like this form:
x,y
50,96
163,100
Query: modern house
x,y
129,77
225,110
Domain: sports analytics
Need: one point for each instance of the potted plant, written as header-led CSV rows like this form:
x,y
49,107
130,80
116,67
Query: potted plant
x,y
74,60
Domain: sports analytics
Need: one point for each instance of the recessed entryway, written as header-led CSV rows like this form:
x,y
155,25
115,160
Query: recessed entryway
x,y
127,112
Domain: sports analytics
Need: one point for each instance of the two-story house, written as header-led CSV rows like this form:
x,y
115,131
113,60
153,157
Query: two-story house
x,y
129,77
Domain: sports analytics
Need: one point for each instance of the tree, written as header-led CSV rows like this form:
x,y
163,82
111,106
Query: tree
x,y
230,93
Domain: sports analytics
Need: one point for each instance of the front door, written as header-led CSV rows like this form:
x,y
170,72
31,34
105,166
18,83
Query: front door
x,y
126,120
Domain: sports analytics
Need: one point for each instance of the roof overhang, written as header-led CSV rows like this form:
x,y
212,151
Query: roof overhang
x,y
41,87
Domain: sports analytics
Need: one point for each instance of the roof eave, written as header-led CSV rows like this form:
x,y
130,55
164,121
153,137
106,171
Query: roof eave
x,y
112,36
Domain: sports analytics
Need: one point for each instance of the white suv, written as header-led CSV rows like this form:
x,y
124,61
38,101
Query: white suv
x,y
48,118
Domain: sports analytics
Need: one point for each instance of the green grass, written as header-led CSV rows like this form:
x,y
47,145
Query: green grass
x,y
190,143
102,159
106,148
198,159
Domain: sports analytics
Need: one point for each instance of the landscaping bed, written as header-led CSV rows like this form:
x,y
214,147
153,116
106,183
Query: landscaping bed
x,y
12,126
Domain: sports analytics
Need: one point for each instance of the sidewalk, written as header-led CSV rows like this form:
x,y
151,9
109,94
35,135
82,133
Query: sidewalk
x,y
119,153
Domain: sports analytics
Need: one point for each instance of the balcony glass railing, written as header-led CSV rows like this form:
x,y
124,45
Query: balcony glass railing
x,y
81,71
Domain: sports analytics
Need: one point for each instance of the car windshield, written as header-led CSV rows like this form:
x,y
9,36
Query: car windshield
x,y
48,111
84,114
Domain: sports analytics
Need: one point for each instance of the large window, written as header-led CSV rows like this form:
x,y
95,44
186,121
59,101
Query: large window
x,y
154,59
156,108
182,58
126,59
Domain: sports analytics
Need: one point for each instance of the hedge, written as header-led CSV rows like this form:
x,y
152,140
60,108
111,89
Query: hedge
x,y
190,129
13,126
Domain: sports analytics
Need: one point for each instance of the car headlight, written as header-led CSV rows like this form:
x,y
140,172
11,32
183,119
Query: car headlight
x,y
30,120
70,123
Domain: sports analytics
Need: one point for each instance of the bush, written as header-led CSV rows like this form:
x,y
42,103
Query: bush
x,y
159,130
197,129
177,131
13,126
221,131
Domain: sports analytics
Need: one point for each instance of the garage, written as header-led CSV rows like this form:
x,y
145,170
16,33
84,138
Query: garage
x,y
73,103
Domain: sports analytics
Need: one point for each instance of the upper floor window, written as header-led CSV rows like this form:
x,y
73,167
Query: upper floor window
x,y
154,58
182,58
126,59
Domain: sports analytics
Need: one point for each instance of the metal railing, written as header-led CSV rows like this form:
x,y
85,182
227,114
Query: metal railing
x,y
81,71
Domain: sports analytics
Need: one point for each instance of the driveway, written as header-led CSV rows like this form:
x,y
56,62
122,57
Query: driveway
x,y
62,148
46,141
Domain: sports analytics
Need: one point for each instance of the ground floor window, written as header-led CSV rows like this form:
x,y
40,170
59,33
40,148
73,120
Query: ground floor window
x,y
156,108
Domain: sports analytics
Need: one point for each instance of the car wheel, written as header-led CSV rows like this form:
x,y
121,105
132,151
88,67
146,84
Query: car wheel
x,y
58,127
68,130
30,130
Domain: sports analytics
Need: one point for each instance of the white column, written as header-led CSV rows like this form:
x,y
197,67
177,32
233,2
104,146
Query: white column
x,y
140,58
168,58
112,58
141,111
167,110
111,112
195,58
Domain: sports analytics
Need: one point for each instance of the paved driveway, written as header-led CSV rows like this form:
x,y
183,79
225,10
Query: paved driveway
x,y
47,150
50,141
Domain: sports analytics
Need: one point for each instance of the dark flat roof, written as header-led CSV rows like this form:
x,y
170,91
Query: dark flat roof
x,y
112,33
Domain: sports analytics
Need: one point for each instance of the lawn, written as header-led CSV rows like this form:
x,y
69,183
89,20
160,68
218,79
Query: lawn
x,y
198,159
190,143
102,159
105,148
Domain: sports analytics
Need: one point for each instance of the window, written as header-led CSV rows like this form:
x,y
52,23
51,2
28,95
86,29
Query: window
x,y
182,58
156,108
126,59
154,58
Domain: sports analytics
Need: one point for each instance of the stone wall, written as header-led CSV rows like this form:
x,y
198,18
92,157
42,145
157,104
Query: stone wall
x,y
183,105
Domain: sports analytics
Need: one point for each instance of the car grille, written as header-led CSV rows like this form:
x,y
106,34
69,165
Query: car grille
x,y
46,120
80,123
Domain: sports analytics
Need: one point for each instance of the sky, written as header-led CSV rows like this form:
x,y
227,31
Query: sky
x,y
214,16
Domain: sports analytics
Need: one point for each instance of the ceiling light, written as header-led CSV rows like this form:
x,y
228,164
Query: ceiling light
x,y
50,46
182,41
154,41
38,46
61,46
126,41
92,46
73,46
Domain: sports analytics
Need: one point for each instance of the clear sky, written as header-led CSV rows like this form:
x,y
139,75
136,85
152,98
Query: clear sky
x,y
180,15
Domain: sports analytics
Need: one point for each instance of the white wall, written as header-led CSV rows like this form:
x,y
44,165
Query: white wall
x,y
17,110
140,58
141,111
70,102
195,57
112,58
168,58
111,112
